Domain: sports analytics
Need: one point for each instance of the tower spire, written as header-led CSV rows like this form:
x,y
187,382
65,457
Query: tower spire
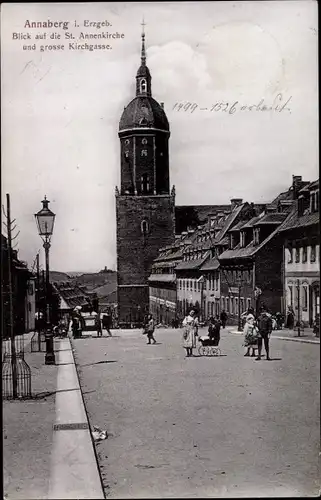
x,y
143,53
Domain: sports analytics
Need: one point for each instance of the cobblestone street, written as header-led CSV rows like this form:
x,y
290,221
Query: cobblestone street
x,y
203,426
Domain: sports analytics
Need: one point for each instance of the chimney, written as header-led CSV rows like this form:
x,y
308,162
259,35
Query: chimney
x,y
235,202
296,185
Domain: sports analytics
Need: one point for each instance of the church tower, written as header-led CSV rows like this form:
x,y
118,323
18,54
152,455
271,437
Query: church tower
x,y
145,208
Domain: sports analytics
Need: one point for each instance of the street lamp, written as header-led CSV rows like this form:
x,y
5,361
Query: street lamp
x,y
45,219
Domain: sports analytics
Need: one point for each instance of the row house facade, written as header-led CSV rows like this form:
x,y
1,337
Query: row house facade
x,y
252,267
162,281
241,258
23,293
198,275
301,254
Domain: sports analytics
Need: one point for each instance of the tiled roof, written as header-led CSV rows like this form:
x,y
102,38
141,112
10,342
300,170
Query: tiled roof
x,y
210,265
190,264
310,186
73,295
250,223
227,223
272,218
294,221
244,252
224,241
237,226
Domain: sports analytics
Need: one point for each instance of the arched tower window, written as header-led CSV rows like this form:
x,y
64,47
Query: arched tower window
x,y
144,182
143,86
144,227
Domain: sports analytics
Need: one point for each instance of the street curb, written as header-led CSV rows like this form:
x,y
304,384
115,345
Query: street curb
x,y
292,339
74,470
305,341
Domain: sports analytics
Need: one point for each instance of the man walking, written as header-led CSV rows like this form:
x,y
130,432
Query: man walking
x,y
264,324
223,319
107,323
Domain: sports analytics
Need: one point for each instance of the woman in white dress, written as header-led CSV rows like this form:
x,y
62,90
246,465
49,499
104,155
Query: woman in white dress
x,y
190,325
250,333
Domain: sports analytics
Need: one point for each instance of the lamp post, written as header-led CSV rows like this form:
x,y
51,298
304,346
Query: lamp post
x,y
45,219
299,305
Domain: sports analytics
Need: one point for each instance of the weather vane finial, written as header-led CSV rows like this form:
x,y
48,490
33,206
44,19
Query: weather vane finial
x,y
143,55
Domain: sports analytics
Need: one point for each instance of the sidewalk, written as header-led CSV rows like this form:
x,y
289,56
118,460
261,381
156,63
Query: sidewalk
x,y
306,336
28,435
45,453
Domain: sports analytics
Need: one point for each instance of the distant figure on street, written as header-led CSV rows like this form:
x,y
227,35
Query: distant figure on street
x,y
76,327
214,330
250,333
98,326
150,328
107,323
290,318
264,324
279,320
223,318
190,327
316,326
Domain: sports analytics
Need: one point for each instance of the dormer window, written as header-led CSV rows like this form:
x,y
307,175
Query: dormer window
x,y
314,201
143,86
242,239
231,241
256,236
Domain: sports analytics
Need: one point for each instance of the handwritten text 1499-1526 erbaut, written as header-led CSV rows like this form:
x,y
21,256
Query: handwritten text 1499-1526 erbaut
x,y
278,105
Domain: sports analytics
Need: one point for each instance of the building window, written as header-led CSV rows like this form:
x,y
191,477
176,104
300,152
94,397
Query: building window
x,y
195,286
242,239
144,141
305,298
144,227
143,152
248,303
304,254
256,236
144,180
313,253
143,86
290,255
297,254
291,295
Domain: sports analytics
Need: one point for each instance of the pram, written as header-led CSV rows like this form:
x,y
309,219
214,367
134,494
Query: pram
x,y
209,347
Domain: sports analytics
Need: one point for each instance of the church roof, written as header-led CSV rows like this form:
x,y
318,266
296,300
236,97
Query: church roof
x,y
143,71
142,112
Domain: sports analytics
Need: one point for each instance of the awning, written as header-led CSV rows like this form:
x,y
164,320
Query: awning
x,y
166,278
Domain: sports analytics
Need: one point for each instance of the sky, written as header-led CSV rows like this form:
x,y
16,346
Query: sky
x,y
60,110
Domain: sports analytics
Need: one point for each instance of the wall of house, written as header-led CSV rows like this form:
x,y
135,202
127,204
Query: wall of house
x,y
229,289
301,281
211,294
189,292
30,306
162,302
268,275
